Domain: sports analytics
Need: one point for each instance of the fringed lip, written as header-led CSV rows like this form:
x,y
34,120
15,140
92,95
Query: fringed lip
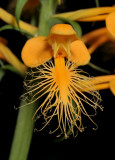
x,y
61,81
64,89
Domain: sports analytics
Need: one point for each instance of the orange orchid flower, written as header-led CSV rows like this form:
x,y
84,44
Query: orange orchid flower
x,y
61,83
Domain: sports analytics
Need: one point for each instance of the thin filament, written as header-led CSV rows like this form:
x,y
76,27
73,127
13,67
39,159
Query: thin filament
x,y
63,89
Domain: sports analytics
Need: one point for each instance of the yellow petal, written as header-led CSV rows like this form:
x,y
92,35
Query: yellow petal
x,y
90,37
103,79
79,53
12,59
101,86
112,86
110,24
97,87
93,18
84,13
36,51
97,43
8,18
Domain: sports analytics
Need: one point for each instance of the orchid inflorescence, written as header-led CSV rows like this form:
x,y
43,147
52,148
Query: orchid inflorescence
x,y
66,89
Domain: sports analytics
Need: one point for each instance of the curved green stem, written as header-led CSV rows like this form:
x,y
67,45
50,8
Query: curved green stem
x,y
98,68
23,133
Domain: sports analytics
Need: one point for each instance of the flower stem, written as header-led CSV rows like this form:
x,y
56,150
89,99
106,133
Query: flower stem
x,y
47,10
23,133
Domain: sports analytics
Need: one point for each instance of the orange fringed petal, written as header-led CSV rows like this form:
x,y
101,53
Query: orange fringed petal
x,y
79,53
110,24
36,51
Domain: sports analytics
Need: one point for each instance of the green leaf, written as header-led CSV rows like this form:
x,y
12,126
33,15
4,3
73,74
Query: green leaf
x,y
3,68
23,132
19,6
7,27
97,3
2,73
53,21
75,25
10,68
1,63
